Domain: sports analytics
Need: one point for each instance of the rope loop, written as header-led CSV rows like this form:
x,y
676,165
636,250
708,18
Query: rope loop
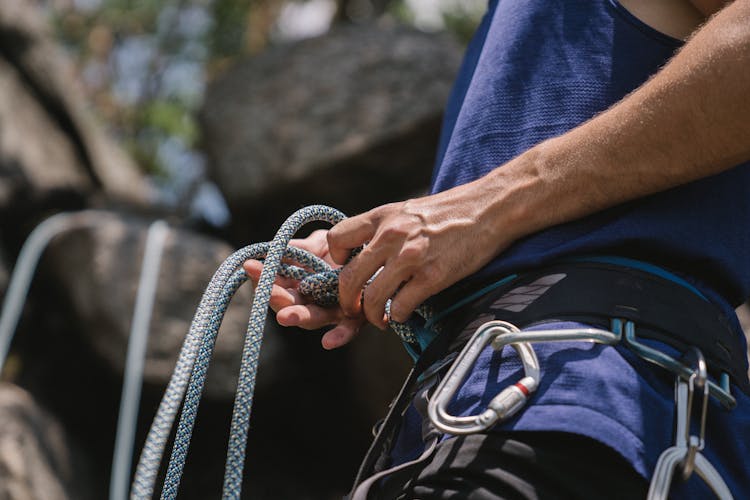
x,y
318,280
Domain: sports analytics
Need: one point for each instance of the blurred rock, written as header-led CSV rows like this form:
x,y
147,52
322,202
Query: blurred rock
x,y
98,269
49,143
379,365
34,458
4,274
36,156
350,119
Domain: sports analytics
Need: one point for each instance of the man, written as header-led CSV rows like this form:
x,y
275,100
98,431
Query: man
x,y
566,143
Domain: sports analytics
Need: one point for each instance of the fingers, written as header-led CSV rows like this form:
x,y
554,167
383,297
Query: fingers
x,y
408,299
293,310
377,293
308,316
343,333
355,275
316,243
253,268
350,234
284,291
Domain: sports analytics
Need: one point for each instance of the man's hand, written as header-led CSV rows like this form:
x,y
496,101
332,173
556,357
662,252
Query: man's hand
x,y
420,247
294,310
689,121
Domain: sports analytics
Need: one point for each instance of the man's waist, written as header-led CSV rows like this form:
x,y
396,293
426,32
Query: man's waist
x,y
597,292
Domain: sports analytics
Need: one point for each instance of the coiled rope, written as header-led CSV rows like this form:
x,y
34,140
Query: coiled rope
x,y
318,279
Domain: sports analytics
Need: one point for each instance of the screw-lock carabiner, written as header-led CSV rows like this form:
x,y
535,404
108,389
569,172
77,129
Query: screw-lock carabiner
x,y
512,398
505,404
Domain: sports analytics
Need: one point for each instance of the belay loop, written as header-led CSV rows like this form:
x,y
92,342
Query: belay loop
x,y
318,281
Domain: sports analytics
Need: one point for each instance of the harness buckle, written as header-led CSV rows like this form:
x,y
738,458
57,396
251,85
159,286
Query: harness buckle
x,y
722,391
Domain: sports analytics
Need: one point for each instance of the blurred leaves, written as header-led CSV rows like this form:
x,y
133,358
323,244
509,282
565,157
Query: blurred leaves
x,y
144,63
227,38
170,118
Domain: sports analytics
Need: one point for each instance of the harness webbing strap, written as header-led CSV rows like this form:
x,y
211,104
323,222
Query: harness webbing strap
x,y
592,293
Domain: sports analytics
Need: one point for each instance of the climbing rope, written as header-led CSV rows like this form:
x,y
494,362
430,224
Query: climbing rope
x,y
318,280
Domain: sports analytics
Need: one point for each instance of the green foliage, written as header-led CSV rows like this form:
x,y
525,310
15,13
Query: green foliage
x,y
170,118
461,24
154,106
230,22
175,44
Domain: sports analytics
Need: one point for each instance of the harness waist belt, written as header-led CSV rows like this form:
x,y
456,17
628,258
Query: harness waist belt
x,y
594,293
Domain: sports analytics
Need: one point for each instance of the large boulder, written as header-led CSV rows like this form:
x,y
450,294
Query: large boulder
x,y
350,119
34,455
96,269
49,143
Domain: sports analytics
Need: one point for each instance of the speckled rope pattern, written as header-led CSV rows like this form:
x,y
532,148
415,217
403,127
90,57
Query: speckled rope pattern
x,y
318,281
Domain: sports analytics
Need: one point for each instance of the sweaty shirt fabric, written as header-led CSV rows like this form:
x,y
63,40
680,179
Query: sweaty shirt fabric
x,y
533,71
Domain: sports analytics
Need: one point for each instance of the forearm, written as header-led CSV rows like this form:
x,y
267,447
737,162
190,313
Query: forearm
x,y
688,122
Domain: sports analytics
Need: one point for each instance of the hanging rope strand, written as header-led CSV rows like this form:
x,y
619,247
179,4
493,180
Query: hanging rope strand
x,y
317,280
251,351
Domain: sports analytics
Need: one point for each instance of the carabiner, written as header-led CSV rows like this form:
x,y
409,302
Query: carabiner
x,y
685,455
512,398
505,404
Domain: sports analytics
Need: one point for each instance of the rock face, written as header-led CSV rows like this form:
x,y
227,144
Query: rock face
x,y
49,144
349,119
34,459
97,270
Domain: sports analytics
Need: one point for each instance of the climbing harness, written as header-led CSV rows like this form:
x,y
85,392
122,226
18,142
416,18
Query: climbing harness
x,y
684,456
189,375
320,282
20,281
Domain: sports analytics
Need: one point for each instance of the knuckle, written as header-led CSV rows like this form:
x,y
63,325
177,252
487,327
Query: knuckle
x,y
377,214
392,232
415,250
332,236
430,274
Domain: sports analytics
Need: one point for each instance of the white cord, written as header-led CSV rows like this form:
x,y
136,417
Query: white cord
x,y
23,272
133,376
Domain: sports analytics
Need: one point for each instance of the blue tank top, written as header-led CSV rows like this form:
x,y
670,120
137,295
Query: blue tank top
x,y
534,70
537,69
